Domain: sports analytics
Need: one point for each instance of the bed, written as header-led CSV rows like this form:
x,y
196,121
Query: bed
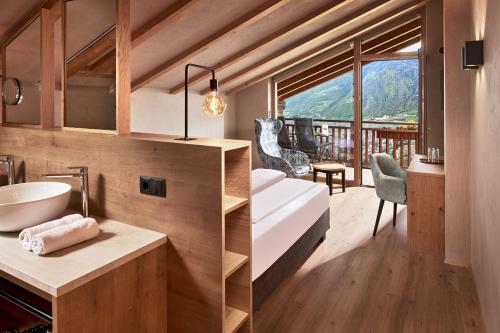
x,y
289,217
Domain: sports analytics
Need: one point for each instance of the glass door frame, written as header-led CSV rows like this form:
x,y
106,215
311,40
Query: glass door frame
x,y
360,60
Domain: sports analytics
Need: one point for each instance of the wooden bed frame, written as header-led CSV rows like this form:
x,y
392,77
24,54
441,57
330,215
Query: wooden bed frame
x,y
290,261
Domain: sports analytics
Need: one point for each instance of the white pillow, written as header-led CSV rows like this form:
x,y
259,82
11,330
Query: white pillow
x,y
263,178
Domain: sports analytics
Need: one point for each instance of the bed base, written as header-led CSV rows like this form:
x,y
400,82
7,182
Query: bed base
x,y
290,261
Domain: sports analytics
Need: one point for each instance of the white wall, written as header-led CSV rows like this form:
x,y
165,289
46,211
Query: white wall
x,y
457,133
251,103
485,159
155,111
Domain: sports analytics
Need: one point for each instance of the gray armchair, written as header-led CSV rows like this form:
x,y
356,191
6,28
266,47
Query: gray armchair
x,y
390,183
292,162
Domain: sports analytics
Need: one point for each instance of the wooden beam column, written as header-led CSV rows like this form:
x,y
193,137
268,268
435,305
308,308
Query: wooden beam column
x,y
2,102
123,77
48,77
358,104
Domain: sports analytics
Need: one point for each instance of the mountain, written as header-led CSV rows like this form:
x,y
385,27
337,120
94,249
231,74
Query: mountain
x,y
390,92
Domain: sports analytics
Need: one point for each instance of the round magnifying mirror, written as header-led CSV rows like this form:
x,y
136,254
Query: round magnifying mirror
x,y
12,91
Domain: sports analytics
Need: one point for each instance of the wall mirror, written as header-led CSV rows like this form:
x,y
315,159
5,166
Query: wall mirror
x,y
90,64
21,90
12,91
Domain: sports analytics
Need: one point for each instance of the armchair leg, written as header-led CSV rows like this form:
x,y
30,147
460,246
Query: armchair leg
x,y
394,214
380,207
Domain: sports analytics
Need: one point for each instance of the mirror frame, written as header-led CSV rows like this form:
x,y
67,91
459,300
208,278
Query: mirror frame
x,y
19,91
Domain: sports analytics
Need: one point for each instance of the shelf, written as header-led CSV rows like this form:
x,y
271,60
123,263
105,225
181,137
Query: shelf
x,y
234,319
233,261
232,203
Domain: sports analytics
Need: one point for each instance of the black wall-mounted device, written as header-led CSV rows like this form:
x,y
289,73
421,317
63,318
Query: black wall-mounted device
x,y
153,186
473,54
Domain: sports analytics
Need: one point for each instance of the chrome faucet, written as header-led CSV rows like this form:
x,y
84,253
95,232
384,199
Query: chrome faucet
x,y
83,175
7,159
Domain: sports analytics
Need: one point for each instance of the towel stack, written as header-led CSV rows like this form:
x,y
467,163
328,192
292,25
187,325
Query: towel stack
x,y
58,234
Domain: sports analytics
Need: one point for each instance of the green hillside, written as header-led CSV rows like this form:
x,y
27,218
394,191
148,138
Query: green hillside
x,y
390,92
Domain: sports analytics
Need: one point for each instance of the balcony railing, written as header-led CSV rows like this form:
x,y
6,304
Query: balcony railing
x,y
398,139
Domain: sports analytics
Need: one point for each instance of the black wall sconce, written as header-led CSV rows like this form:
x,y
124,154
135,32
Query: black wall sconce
x,y
473,54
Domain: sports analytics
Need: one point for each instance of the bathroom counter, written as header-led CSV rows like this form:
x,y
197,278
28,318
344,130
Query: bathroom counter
x,y
65,270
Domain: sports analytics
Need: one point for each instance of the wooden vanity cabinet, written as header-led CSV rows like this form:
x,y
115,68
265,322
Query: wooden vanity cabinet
x,y
115,283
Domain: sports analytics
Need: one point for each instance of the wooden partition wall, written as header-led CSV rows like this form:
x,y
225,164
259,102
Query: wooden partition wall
x,y
205,214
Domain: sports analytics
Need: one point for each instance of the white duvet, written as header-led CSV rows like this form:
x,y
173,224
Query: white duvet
x,y
263,178
277,195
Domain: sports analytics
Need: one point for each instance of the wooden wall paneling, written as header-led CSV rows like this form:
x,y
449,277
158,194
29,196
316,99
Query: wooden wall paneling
x,y
193,223
128,296
123,71
48,75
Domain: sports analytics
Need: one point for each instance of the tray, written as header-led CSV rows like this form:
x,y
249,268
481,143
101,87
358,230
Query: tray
x,y
425,160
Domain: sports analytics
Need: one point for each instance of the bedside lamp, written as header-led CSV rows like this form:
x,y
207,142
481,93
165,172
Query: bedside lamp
x,y
213,105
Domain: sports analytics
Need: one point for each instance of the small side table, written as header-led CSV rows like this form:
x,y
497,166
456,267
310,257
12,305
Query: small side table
x,y
329,169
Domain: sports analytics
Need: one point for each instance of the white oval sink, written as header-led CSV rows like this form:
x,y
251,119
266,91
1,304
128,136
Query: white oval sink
x,y
28,204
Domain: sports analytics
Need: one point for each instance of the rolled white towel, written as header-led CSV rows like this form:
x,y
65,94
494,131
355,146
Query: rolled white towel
x,y
27,234
64,236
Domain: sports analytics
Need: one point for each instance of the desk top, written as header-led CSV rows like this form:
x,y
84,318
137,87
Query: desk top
x,y
417,167
62,271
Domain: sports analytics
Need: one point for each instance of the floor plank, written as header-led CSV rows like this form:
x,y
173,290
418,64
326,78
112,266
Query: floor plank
x,y
356,283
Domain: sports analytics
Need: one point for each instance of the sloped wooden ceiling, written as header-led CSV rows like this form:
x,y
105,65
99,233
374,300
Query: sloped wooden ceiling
x,y
247,41
391,40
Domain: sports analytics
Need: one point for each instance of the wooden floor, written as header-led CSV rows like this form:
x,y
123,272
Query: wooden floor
x,y
356,283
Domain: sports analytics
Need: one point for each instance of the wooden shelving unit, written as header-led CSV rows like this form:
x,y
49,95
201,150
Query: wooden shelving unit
x,y
234,319
237,261
233,261
232,203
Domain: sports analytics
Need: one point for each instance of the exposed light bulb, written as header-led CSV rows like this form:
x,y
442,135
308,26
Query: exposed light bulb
x,y
214,105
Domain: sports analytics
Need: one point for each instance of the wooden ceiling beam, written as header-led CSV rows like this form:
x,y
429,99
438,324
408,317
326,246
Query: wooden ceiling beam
x,y
318,76
393,35
311,85
318,72
160,21
320,34
346,69
279,35
324,66
388,37
100,49
244,21
25,21
370,26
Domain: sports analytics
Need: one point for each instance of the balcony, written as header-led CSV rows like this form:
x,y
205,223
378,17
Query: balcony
x,y
399,139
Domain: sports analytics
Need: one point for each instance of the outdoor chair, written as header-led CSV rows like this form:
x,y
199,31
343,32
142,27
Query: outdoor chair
x,y
306,139
283,135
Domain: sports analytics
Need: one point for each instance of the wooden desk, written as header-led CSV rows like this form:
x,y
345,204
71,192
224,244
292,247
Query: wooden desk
x,y
425,197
